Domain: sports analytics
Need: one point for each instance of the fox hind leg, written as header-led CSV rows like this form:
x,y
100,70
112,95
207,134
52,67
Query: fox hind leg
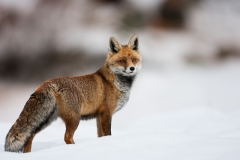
x,y
28,145
71,122
70,112
71,126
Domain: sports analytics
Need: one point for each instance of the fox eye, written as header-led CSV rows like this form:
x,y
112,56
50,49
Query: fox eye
x,y
134,60
122,61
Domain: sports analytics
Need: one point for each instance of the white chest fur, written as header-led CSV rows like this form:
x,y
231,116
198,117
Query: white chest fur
x,y
123,100
124,85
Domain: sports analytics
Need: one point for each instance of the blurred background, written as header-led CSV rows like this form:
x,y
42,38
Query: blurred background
x,y
190,48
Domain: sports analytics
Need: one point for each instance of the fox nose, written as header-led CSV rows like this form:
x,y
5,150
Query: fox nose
x,y
132,68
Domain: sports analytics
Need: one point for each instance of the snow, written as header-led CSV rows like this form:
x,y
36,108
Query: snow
x,y
177,113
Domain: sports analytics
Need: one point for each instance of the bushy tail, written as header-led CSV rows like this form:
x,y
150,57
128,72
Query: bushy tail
x,y
39,111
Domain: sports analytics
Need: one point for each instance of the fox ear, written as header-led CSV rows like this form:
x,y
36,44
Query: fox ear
x,y
114,45
134,42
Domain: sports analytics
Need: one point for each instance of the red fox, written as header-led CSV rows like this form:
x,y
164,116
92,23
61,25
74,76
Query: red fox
x,y
98,95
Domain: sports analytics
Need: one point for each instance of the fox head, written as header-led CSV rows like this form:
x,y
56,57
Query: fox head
x,y
124,59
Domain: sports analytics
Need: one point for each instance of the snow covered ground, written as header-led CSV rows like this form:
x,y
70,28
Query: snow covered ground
x,y
179,113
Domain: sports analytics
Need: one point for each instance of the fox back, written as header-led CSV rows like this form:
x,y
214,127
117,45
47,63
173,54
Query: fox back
x,y
98,95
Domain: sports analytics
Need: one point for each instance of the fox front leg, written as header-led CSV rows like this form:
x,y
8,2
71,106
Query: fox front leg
x,y
104,119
